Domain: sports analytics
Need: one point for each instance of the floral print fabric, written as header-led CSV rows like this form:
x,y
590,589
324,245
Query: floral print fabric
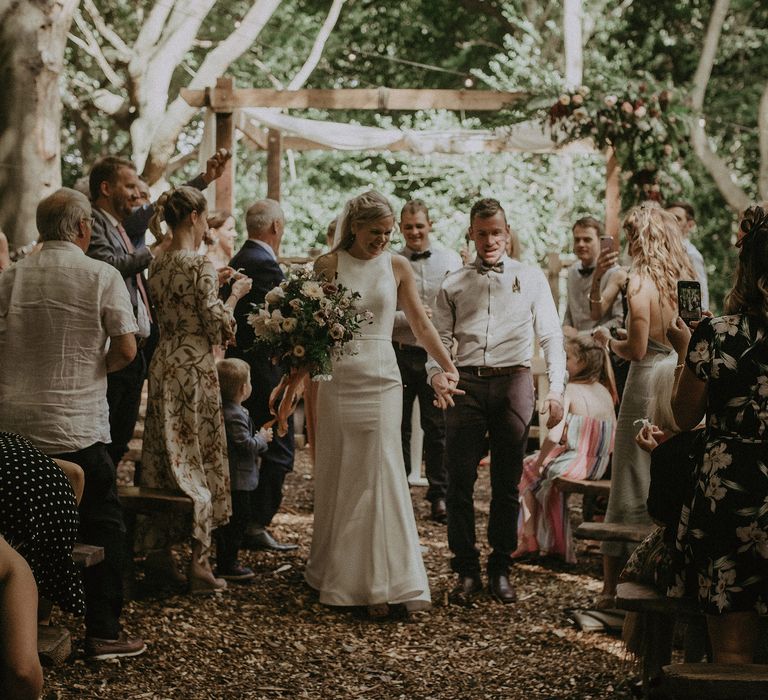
x,y
721,552
184,438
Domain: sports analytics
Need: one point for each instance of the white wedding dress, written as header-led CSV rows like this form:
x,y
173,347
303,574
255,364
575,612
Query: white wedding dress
x,y
365,546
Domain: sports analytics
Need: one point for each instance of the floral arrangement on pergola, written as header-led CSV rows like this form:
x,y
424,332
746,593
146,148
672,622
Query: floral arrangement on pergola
x,y
646,128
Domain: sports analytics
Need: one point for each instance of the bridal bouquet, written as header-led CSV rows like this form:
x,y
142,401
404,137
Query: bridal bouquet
x,y
303,325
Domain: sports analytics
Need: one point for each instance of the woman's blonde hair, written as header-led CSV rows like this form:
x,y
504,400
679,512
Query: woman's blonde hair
x,y
174,206
365,208
661,381
596,363
750,290
658,252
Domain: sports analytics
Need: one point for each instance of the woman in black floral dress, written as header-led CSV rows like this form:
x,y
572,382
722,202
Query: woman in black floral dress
x,y
721,553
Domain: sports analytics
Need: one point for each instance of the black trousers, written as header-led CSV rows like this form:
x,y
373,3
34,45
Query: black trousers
x,y
229,538
101,524
124,396
410,360
502,406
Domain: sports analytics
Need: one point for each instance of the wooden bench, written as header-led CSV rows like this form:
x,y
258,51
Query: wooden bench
x,y
695,681
613,532
659,613
54,645
86,555
139,499
587,487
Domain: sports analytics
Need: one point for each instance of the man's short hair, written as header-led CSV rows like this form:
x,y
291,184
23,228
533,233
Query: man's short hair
x,y
690,212
588,222
485,209
59,214
414,206
261,215
233,373
106,169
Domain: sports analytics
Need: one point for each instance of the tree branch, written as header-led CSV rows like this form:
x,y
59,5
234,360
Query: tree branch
x,y
313,59
93,49
762,134
716,166
123,50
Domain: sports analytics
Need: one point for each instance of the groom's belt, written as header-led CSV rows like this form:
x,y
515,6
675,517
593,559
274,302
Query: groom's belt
x,y
409,348
494,371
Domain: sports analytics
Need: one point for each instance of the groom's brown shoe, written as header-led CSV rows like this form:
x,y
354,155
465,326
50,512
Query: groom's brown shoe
x,y
466,588
501,589
439,511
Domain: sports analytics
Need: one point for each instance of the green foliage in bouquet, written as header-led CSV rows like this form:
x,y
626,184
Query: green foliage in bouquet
x,y
305,323
646,128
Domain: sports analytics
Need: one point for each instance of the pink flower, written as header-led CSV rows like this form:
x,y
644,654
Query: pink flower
x,y
627,107
577,99
640,112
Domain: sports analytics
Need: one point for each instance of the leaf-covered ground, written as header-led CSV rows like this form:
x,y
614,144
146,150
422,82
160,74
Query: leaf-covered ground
x,y
272,639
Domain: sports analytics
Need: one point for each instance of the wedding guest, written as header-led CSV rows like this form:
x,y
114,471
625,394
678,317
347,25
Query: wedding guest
x,y
60,404
5,258
722,559
365,546
578,447
430,263
184,440
685,215
584,278
245,444
265,224
658,262
491,310
222,232
119,224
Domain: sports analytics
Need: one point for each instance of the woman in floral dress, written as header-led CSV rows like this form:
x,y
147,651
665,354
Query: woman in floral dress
x,y
721,554
184,439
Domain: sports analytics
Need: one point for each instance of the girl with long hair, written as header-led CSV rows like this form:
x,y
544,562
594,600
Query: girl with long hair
x,y
658,261
578,447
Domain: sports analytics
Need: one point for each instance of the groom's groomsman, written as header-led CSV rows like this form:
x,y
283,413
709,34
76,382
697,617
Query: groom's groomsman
x,y
430,264
491,309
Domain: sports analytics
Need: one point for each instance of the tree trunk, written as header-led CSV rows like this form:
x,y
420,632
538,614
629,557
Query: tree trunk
x,y
33,35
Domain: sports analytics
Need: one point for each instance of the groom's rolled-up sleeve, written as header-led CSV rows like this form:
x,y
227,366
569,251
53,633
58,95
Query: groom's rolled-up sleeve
x,y
443,318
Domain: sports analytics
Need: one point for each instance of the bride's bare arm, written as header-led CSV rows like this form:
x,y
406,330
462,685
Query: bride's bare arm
x,y
325,266
409,301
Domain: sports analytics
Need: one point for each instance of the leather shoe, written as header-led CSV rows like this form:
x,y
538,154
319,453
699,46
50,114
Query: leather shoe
x,y
439,512
501,589
467,586
105,649
263,540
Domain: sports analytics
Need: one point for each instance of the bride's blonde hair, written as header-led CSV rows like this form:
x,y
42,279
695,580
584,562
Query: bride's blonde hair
x,y
656,247
366,207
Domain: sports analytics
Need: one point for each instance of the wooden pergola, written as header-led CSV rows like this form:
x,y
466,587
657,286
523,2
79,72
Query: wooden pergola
x,y
223,100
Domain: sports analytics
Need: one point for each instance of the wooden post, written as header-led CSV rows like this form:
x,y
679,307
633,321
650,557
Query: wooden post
x,y
225,132
612,197
274,156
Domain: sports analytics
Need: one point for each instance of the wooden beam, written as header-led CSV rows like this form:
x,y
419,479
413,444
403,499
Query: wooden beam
x,y
274,158
612,198
225,132
378,99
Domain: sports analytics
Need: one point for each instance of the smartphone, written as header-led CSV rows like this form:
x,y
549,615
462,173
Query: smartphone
x,y
689,300
606,244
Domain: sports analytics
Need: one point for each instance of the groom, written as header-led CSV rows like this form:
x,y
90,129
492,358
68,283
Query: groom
x,y
265,223
491,308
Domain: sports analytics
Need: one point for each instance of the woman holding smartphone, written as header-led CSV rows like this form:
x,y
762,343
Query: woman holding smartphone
x,y
658,262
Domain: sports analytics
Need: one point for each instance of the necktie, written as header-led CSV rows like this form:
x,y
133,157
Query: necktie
x,y
421,256
485,268
586,271
139,279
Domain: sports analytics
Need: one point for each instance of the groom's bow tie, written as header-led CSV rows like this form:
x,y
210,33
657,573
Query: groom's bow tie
x,y
421,256
586,271
485,267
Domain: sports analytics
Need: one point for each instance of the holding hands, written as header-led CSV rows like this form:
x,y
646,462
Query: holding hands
x,y
445,386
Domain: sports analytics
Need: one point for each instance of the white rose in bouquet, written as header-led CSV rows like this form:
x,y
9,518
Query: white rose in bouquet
x,y
289,324
274,295
311,289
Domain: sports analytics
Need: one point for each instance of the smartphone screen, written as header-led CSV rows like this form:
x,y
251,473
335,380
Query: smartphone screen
x,y
606,244
689,300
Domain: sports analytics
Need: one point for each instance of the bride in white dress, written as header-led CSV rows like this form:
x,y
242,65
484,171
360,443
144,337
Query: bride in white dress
x,y
365,546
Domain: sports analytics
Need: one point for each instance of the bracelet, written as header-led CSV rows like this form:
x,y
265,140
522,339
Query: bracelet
x,y
680,366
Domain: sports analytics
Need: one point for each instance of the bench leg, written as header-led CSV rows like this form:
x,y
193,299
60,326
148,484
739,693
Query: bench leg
x,y
657,646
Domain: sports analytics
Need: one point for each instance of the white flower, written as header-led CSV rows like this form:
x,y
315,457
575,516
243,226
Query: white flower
x,y
611,100
319,317
581,114
726,325
753,536
258,324
577,99
295,304
274,295
762,386
700,353
289,324
337,331
299,350
312,289
368,316
564,100
584,90
640,112
715,459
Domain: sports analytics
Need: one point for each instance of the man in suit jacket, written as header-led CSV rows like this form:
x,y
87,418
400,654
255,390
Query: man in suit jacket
x,y
264,222
115,193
